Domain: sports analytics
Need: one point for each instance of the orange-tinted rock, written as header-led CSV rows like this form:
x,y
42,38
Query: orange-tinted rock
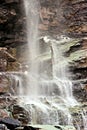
x,y
85,88
43,27
76,19
3,113
4,84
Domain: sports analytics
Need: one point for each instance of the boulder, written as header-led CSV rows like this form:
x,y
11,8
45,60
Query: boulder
x,y
10,123
19,128
21,114
3,127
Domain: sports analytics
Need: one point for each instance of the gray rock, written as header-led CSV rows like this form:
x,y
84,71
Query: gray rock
x,y
21,114
10,123
3,127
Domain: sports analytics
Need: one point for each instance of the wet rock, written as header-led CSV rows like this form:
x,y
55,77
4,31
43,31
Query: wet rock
x,y
10,13
10,123
48,127
5,58
19,128
75,15
21,114
5,55
5,106
3,127
3,102
79,115
4,84
4,113
55,18
71,14
11,1
30,128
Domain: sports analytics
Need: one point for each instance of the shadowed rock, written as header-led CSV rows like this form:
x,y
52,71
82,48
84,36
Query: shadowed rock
x,y
5,55
10,123
3,127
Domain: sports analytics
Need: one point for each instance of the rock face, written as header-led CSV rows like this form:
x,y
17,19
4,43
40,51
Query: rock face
x,y
21,114
68,17
51,16
3,127
76,19
11,22
10,123
75,52
4,85
55,18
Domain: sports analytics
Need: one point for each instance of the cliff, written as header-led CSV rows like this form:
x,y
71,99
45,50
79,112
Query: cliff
x,y
60,21
56,18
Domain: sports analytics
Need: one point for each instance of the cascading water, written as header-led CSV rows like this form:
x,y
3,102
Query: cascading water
x,y
31,10
60,66
47,98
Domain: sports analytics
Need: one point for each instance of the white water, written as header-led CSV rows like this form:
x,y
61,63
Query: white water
x,y
39,83
59,69
84,117
36,86
31,10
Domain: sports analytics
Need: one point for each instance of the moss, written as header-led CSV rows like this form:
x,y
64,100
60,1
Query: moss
x,y
12,66
77,55
66,46
75,109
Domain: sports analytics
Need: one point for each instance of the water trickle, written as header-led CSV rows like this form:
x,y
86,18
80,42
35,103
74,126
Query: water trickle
x,y
84,117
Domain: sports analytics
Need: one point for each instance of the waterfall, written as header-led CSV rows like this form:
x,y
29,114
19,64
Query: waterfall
x,y
84,117
59,69
48,98
39,83
31,10
60,75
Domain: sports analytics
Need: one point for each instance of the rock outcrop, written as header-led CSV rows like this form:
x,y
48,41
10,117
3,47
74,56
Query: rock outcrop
x,y
11,23
55,18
